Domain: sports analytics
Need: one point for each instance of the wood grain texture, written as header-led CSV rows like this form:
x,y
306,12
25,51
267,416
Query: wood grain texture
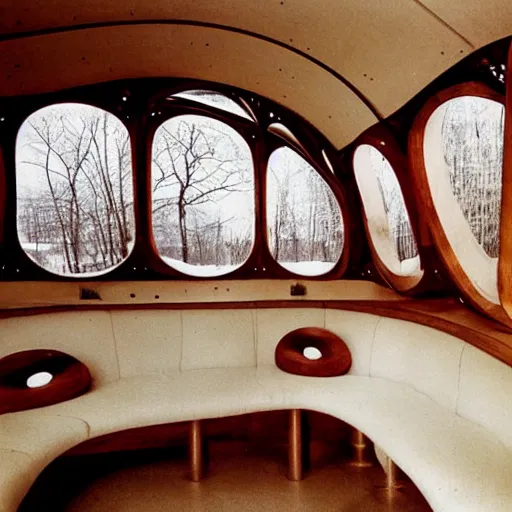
x,y
426,205
71,378
335,356
505,253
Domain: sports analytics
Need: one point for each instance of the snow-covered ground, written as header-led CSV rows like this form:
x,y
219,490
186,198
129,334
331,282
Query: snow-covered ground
x,y
410,266
304,268
33,246
199,270
308,268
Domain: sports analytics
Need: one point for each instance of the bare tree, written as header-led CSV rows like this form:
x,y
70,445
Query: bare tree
x,y
472,133
82,155
197,165
304,215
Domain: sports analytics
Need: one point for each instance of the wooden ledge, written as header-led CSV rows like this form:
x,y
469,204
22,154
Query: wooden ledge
x,y
446,314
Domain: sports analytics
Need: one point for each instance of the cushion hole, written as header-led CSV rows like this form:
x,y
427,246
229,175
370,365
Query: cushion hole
x,y
312,353
40,379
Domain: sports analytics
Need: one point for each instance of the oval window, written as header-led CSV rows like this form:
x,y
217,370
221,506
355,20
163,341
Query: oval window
x,y
463,148
386,216
304,221
74,189
203,196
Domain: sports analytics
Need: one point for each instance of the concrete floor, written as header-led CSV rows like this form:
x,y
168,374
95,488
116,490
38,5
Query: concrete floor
x,y
235,482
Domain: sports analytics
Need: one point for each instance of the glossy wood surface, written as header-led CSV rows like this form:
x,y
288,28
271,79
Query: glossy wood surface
x,y
505,253
380,138
426,204
71,378
334,360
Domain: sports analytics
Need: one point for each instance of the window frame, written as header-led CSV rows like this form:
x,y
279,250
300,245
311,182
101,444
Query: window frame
x,y
505,252
16,264
384,142
341,264
246,129
86,275
419,171
132,101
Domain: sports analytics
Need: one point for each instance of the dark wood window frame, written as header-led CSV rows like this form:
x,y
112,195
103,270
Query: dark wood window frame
x,y
143,105
379,138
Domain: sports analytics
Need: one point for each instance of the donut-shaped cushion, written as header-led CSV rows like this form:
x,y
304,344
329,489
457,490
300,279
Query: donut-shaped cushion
x,y
37,378
335,358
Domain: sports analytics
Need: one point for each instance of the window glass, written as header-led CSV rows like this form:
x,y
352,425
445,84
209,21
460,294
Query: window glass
x,y
304,222
74,189
387,218
203,195
214,99
463,152
472,135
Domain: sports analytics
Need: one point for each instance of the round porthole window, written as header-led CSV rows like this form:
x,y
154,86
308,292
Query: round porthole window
x,y
312,353
40,379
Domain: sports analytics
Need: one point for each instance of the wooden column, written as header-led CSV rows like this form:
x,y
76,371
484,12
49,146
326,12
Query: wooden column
x,y
295,445
360,445
196,451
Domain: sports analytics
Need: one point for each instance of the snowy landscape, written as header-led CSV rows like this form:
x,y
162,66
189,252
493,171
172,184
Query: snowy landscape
x,y
75,191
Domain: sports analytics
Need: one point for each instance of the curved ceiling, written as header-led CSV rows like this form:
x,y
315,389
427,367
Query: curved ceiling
x,y
109,53
387,50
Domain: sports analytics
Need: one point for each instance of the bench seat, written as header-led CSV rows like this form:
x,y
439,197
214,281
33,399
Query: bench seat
x,y
454,463
417,393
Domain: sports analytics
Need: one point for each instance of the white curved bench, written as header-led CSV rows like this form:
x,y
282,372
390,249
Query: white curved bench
x,y
439,407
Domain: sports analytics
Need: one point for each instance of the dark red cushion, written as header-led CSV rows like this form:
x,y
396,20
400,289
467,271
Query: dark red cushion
x,y
71,378
335,360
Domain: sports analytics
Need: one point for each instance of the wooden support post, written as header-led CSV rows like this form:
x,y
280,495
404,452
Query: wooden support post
x,y
295,446
196,451
360,447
